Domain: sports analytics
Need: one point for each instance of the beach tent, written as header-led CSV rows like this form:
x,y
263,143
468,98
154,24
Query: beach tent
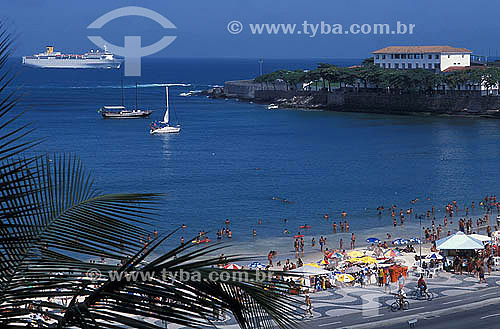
x,y
372,240
310,270
459,241
480,237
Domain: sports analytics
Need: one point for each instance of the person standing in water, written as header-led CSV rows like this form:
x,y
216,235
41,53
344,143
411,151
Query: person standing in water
x,y
353,241
341,244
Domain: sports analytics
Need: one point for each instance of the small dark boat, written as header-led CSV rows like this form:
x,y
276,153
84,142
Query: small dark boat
x,y
120,112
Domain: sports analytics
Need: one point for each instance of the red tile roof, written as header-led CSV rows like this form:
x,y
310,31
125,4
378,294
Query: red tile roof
x,y
461,68
420,50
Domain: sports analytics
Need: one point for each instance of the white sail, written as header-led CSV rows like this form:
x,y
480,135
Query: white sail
x,y
166,118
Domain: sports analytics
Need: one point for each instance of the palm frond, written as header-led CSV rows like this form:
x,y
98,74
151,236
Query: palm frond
x,y
53,220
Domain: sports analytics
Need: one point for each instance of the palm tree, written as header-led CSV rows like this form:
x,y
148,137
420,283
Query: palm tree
x,y
53,220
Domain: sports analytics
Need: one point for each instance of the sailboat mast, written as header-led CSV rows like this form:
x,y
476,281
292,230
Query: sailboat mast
x,y
165,118
136,95
122,92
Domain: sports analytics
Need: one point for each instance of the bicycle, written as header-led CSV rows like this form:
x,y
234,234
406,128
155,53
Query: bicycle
x,y
400,305
421,295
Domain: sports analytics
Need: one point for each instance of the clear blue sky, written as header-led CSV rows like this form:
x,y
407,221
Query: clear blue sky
x,y
202,26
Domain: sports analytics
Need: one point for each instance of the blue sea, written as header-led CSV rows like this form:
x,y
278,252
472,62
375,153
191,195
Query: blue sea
x,y
232,158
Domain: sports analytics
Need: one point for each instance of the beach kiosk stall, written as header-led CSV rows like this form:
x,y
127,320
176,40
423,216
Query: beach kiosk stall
x,y
458,241
308,271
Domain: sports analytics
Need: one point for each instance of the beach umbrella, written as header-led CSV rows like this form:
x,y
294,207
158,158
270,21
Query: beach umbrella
x,y
256,265
232,267
355,253
415,240
344,278
335,254
353,269
372,240
313,265
435,256
355,260
368,260
391,253
400,241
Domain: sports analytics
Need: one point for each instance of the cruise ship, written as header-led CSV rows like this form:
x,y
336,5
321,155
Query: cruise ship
x,y
93,59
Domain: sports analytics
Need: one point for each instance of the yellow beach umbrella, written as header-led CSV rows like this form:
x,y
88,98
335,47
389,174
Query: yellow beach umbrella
x,y
344,277
313,265
355,253
355,260
368,260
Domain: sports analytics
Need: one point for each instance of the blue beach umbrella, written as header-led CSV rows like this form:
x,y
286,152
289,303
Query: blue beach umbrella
x,y
434,256
372,240
256,265
400,241
415,240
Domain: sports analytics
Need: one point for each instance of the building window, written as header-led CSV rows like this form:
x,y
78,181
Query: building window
x,y
383,65
437,56
403,56
409,65
429,56
438,66
396,65
392,56
397,56
376,56
403,65
383,56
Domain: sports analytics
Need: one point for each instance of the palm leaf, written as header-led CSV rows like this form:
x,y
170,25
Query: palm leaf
x,y
52,220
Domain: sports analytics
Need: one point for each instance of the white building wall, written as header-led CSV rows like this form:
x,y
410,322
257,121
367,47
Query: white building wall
x,y
428,61
454,59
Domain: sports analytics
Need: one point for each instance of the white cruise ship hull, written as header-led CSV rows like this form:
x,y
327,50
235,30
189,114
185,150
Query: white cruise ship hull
x,y
72,63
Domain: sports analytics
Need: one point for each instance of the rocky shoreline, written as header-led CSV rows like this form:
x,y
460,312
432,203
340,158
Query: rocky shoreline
x,y
364,101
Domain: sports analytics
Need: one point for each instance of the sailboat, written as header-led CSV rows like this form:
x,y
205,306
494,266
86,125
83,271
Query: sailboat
x,y
121,112
164,127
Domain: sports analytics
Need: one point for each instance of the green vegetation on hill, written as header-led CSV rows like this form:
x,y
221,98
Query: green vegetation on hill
x,y
328,76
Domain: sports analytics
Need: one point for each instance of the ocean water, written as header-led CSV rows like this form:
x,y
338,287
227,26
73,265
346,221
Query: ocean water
x,y
231,158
